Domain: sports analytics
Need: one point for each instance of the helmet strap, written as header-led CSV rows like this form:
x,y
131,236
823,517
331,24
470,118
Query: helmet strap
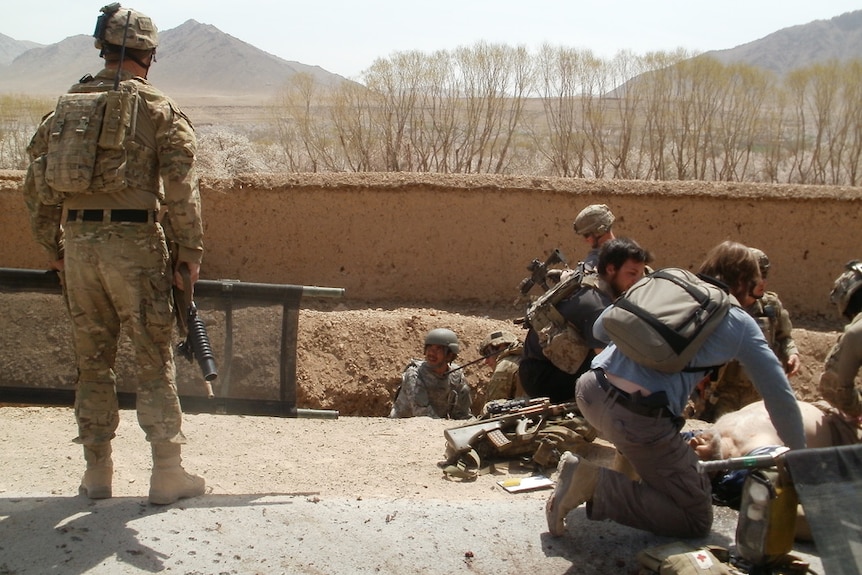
x,y
123,49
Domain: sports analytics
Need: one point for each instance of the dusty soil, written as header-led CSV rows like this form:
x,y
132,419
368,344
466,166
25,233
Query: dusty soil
x,y
371,480
349,357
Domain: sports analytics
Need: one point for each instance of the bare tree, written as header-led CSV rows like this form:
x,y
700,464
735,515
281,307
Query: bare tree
x,y
352,121
626,97
559,87
740,120
19,118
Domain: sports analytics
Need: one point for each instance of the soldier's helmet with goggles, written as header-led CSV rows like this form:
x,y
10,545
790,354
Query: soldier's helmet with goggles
x,y
120,26
846,286
595,220
762,261
497,339
444,337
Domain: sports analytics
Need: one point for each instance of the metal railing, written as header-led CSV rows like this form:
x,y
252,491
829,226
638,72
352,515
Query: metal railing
x,y
227,295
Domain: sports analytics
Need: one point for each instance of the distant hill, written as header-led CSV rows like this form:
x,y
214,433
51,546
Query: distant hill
x,y
11,48
199,61
193,60
838,38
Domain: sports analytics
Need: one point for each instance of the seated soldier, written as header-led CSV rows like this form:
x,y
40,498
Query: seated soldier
x,y
502,352
733,388
838,382
433,388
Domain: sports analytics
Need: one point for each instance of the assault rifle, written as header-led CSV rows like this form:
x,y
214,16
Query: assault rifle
x,y
197,342
526,417
539,272
480,358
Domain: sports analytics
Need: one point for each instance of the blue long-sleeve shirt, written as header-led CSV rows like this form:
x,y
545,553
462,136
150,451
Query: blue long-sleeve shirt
x,y
737,337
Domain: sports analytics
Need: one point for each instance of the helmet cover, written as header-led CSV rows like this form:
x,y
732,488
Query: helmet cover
x,y
123,26
595,219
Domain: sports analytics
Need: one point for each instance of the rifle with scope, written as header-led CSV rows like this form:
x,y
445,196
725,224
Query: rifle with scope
x,y
539,272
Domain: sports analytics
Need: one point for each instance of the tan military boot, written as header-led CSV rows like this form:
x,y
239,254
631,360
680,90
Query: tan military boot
x,y
576,484
96,483
169,481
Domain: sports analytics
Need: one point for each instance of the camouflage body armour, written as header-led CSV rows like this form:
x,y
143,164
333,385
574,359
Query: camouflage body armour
x,y
425,393
840,381
505,383
119,272
561,341
733,389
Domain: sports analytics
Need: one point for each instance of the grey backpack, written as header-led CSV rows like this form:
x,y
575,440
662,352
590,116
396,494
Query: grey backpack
x,y
664,318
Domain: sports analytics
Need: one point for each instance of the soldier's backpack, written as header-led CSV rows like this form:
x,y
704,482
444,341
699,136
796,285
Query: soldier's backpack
x,y
561,342
87,137
664,318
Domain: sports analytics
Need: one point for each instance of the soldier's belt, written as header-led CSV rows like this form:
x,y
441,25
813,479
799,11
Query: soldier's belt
x,y
128,216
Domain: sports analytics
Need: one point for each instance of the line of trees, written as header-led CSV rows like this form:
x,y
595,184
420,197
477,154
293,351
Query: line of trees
x,y
491,108
565,112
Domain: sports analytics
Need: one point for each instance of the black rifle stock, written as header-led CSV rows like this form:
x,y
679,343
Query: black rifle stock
x,y
197,342
539,272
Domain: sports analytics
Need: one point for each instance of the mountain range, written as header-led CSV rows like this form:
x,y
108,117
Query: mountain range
x,y
197,60
839,38
192,60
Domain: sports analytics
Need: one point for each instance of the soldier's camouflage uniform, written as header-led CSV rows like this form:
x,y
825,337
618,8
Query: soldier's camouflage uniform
x,y
120,272
505,383
840,382
424,393
733,389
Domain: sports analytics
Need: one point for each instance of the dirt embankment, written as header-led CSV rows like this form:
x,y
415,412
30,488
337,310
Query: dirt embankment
x,y
348,359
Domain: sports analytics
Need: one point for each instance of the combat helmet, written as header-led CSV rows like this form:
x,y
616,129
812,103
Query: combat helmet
x,y
762,261
444,337
846,285
595,219
123,26
498,338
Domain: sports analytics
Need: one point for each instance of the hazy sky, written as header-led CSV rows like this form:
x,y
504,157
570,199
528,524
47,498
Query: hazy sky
x,y
345,37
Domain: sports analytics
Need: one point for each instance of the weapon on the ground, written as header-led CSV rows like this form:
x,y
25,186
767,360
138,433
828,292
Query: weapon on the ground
x,y
539,272
197,342
526,418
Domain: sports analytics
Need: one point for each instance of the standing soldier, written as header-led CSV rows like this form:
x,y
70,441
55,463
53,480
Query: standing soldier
x,y
113,153
594,224
733,389
839,382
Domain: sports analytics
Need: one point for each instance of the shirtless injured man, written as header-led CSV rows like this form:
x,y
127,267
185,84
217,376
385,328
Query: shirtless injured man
x,y
749,431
